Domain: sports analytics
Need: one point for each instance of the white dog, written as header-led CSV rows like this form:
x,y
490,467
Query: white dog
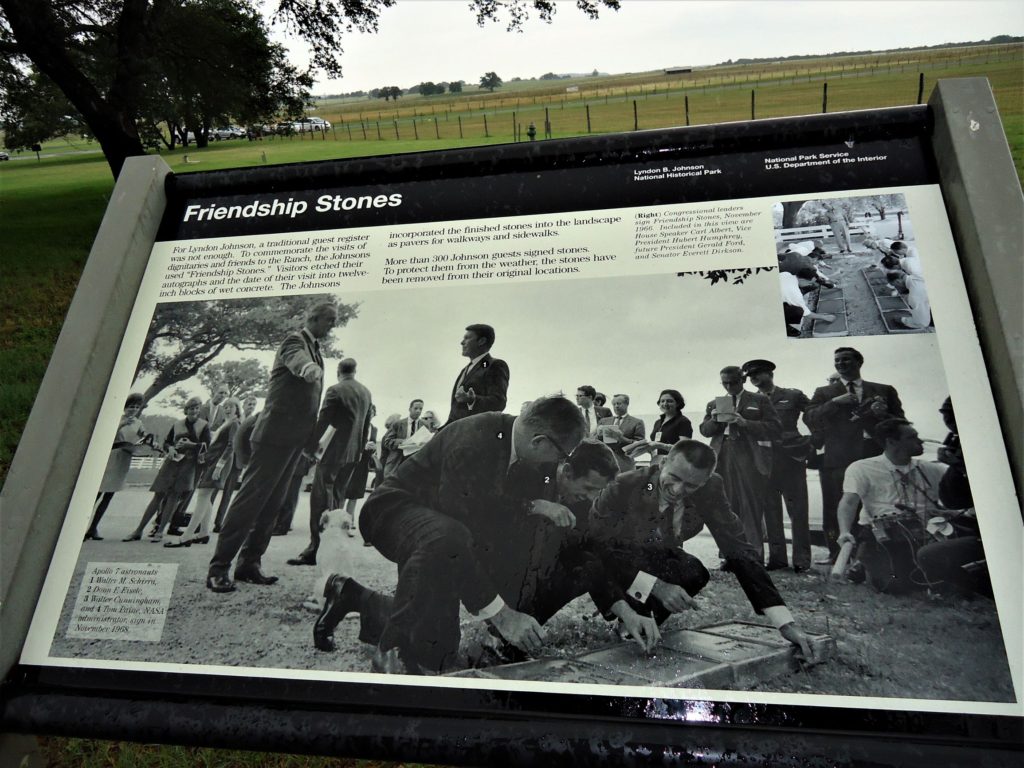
x,y
332,556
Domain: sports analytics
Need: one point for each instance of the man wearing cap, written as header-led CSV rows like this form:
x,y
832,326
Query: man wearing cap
x,y
788,478
904,540
741,437
845,414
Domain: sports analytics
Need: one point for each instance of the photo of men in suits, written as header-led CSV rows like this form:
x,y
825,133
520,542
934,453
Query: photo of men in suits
x,y
278,438
741,439
398,433
346,410
621,430
845,413
482,385
436,519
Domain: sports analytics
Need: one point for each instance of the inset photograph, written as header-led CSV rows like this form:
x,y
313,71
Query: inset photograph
x,y
850,267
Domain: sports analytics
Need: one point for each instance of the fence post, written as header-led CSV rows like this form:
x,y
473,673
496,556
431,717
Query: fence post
x,y
486,133
437,131
636,121
397,137
379,137
349,126
824,97
460,126
514,125
588,118
363,126
920,87
751,103
547,124
415,130
686,105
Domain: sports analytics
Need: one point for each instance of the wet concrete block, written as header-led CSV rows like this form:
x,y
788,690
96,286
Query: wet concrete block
x,y
891,302
837,327
835,306
750,662
563,671
830,293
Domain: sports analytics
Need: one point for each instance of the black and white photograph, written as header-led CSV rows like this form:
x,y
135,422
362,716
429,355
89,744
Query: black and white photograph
x,y
850,267
629,482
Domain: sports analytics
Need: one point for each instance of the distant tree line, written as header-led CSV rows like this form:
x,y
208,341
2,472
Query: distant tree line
x,y
997,40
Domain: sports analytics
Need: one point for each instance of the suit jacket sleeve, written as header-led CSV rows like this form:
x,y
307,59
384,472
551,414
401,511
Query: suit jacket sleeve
x,y
636,433
709,427
822,412
494,395
295,354
392,438
769,427
727,531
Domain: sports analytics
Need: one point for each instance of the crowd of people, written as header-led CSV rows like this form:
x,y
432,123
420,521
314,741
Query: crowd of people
x,y
515,515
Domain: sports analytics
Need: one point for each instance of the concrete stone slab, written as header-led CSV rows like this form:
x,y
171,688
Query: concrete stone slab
x,y
837,327
754,633
559,671
666,666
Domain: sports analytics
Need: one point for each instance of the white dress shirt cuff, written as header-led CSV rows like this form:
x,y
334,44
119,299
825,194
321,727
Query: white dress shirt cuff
x,y
778,615
306,368
490,610
641,587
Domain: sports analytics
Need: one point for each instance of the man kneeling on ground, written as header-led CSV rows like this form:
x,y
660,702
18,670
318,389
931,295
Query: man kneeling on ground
x,y
641,520
440,518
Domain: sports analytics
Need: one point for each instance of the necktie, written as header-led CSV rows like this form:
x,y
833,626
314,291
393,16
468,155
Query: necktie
x,y
852,388
618,421
586,415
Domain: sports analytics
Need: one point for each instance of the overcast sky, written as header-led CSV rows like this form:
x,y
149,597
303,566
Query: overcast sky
x,y
439,40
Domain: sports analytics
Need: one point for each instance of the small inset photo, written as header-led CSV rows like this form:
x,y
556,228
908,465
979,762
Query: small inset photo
x,y
850,267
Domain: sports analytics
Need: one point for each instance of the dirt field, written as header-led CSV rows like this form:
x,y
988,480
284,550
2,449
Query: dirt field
x,y
887,646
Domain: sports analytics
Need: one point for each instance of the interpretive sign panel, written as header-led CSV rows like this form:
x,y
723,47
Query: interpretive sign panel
x,y
780,303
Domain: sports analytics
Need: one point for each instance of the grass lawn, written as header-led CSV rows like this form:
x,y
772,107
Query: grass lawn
x,y
50,211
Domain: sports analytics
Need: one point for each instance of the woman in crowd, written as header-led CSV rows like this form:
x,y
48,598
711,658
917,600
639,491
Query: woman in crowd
x,y
130,435
671,426
218,468
185,445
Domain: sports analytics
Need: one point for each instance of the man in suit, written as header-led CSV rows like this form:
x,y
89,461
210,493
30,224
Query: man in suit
x,y
278,438
788,478
346,411
399,432
642,519
741,437
482,385
585,395
602,411
620,430
845,414
441,518
211,411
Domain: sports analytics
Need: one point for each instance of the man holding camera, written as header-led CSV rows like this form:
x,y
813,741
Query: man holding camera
x,y
905,540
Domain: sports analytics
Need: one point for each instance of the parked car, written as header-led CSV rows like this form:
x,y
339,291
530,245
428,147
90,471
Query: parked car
x,y
312,124
4,155
227,132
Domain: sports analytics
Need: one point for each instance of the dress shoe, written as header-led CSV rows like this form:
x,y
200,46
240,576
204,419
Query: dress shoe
x,y
92,536
303,559
175,532
801,568
856,574
825,561
201,540
178,543
220,584
133,537
254,576
342,596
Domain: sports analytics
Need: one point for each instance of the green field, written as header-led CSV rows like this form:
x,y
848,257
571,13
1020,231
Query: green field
x,y
50,209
